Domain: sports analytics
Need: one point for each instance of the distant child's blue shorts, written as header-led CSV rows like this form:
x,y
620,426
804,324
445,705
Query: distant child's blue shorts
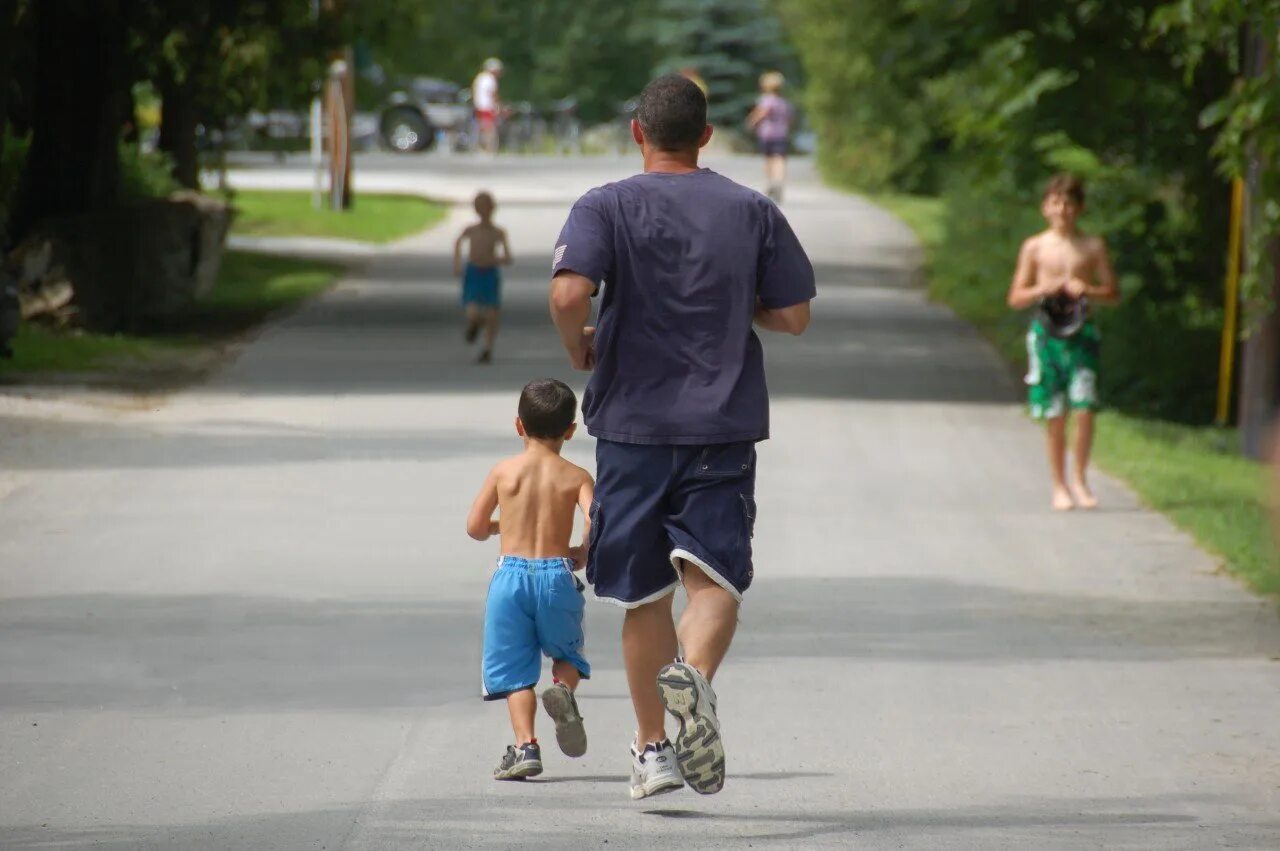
x,y
656,506
481,286
534,608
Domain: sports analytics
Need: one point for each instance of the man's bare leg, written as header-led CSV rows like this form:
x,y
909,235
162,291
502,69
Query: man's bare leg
x,y
708,623
1056,435
1083,448
648,643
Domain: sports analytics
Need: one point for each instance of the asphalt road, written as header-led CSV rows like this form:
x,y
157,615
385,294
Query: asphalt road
x,y
247,616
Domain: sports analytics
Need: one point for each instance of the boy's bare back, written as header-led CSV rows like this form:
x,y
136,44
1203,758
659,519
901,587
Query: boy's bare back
x,y
486,245
537,493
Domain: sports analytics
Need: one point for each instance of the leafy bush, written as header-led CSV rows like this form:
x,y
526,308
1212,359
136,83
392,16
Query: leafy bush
x,y
145,174
981,102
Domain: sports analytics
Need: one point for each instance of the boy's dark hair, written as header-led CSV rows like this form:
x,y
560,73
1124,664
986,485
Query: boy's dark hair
x,y
672,113
547,408
1066,184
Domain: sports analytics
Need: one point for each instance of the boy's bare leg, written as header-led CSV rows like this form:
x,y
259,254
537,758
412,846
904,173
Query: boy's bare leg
x,y
1083,448
648,643
522,705
473,321
564,671
1056,434
490,328
708,622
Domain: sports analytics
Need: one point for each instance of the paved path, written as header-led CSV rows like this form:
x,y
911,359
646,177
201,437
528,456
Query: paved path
x,y
248,617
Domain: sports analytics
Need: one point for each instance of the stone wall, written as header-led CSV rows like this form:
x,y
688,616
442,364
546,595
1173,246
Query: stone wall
x,y
131,266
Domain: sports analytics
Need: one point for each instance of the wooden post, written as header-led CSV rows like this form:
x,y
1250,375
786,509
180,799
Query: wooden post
x,y
1231,305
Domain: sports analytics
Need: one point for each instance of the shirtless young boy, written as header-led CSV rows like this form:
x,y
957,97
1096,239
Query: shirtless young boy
x,y
535,602
487,249
1061,271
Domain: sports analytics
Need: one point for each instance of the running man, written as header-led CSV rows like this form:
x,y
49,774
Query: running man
x,y
771,120
484,100
689,261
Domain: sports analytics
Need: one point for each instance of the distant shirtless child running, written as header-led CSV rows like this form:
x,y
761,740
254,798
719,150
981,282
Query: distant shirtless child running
x,y
1060,272
535,602
487,249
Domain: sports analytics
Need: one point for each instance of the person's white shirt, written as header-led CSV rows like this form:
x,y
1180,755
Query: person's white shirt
x,y
484,91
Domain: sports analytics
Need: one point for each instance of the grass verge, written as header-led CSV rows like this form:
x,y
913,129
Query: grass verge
x,y
1193,474
374,218
250,287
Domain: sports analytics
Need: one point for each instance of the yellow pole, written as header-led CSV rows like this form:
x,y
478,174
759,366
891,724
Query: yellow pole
x,y
1226,359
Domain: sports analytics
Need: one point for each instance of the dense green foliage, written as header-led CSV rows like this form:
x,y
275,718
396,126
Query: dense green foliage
x,y
599,51
728,42
981,101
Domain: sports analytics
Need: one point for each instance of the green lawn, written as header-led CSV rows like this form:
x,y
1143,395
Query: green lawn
x,y
1193,474
374,218
250,287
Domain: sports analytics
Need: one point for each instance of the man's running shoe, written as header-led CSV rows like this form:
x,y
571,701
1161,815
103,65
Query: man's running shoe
x,y
689,699
472,331
560,704
519,763
654,771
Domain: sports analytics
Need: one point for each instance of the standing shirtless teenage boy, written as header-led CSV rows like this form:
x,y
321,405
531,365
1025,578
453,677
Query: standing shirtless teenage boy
x,y
1061,271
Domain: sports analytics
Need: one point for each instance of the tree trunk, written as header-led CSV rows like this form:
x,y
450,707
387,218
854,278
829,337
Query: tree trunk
x,y
1260,377
8,23
179,118
73,163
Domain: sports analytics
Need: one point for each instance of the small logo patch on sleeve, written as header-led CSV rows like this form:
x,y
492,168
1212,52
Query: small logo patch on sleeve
x,y
559,255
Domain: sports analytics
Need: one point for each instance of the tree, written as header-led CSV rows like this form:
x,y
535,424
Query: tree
x,y
1242,33
79,98
728,42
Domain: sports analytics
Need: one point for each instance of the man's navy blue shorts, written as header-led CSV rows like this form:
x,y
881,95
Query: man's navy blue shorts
x,y
657,505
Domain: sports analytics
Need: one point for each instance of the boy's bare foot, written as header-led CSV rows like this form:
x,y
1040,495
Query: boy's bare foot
x,y
1062,500
1083,496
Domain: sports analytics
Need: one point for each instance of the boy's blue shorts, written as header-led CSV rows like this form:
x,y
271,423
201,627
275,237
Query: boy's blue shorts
x,y
658,506
481,286
534,608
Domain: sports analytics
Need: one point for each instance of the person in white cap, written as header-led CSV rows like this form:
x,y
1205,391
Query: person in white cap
x,y
484,100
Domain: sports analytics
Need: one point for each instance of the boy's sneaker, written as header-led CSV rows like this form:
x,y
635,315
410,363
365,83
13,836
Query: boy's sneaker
x,y
560,704
689,699
519,763
653,770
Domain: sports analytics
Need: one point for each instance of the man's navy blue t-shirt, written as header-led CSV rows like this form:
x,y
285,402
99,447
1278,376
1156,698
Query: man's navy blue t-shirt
x,y
683,259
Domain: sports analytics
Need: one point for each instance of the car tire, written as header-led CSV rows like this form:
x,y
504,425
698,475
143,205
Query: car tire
x,y
406,131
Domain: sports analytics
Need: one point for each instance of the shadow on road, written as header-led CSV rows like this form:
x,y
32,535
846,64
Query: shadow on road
x,y
224,653
1137,822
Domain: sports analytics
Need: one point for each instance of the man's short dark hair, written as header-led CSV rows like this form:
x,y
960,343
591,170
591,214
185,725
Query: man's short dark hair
x,y
1068,185
672,113
547,408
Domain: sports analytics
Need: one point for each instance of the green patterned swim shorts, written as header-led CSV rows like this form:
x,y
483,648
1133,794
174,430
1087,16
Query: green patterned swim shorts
x,y
1062,371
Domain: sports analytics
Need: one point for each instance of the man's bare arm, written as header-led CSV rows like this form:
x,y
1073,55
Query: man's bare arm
x,y
570,309
784,320
480,522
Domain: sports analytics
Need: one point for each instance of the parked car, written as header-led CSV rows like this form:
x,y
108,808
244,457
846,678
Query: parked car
x,y
422,109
